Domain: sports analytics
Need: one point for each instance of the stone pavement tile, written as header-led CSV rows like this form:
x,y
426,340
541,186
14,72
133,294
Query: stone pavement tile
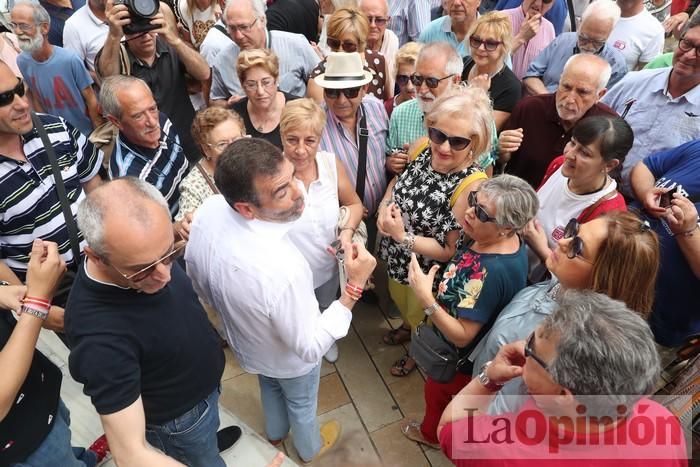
x,y
409,395
241,396
232,368
331,393
326,368
436,457
365,386
396,450
370,324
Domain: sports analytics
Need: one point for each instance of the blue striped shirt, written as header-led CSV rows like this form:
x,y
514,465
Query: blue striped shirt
x,y
29,203
408,18
337,140
163,167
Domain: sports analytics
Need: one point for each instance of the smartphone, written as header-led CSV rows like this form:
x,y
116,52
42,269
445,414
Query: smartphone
x,y
339,252
666,198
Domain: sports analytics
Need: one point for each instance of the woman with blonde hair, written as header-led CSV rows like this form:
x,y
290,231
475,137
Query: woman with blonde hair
x,y
261,109
404,67
490,41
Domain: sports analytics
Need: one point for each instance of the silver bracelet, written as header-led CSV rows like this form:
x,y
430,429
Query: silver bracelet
x,y
41,314
409,241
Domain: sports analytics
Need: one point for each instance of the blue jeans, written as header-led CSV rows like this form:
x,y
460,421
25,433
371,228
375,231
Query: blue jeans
x,y
191,437
291,403
56,448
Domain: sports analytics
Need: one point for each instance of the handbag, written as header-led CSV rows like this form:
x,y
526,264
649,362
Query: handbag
x,y
438,358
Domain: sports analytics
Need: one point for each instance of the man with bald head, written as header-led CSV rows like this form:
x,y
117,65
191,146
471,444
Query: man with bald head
x,y
540,126
380,39
141,343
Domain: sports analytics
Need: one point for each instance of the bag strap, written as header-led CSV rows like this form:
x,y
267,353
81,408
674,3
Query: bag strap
x,y
60,188
478,175
421,145
586,213
207,178
124,62
363,133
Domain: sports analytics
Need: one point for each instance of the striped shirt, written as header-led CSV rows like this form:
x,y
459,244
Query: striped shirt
x,y
29,204
336,139
532,48
408,18
163,167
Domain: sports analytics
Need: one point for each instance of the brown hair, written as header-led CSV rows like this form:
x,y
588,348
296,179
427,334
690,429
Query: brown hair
x,y
349,20
627,262
205,120
264,58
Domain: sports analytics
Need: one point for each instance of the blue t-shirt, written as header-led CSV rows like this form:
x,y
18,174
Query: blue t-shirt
x,y
675,315
57,84
556,15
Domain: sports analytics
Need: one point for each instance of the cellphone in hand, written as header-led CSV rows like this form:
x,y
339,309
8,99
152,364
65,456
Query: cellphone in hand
x,y
666,198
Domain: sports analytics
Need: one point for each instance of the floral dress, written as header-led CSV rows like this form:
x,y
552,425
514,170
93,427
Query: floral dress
x,y
423,196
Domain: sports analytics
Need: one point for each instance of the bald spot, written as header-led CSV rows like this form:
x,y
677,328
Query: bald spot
x,y
585,66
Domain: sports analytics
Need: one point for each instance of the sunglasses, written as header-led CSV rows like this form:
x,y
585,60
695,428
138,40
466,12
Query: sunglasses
x,y
349,93
479,210
490,45
457,143
378,20
336,44
430,81
576,245
142,274
402,80
8,97
530,352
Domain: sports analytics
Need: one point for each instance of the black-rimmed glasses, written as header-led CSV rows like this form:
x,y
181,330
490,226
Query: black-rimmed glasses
x,y
479,210
349,93
430,81
530,352
8,97
686,46
490,45
576,246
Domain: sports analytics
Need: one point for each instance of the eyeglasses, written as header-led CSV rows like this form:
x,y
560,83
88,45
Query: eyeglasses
x,y
576,245
457,143
221,145
585,40
349,93
24,27
252,86
242,28
490,45
336,44
8,97
142,274
378,20
430,81
530,352
402,80
685,46
479,210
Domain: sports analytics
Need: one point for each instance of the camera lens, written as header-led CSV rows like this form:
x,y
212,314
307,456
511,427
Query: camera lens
x,y
145,8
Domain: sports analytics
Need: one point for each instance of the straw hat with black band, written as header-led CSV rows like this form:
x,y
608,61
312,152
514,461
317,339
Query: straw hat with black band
x,y
343,71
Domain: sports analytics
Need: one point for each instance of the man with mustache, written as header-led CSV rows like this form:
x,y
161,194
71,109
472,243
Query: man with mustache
x,y
540,126
148,146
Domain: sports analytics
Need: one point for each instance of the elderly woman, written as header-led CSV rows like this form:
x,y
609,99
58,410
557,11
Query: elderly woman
x,y
213,129
416,214
347,32
326,187
616,255
405,66
581,183
479,281
261,109
490,41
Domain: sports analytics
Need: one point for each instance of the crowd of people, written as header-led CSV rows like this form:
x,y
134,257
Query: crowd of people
x,y
218,174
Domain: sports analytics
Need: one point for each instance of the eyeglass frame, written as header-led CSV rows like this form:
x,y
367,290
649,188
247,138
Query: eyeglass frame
x,y
693,46
575,249
248,82
243,28
451,140
489,44
355,91
18,90
24,27
588,40
405,78
530,352
378,20
176,248
337,44
430,81
479,210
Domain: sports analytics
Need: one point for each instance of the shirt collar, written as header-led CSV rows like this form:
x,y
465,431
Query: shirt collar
x,y
92,16
447,24
266,230
659,84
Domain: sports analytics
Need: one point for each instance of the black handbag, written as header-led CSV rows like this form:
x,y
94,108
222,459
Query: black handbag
x,y
438,358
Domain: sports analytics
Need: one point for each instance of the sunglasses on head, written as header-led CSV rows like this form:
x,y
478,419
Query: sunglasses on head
x,y
430,81
479,210
349,93
530,352
490,45
457,143
8,97
336,44
576,245
402,80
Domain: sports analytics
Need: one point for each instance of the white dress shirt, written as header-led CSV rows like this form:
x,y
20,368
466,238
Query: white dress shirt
x,y
262,287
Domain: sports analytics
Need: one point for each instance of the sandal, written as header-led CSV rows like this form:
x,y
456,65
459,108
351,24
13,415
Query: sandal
x,y
401,367
411,430
397,336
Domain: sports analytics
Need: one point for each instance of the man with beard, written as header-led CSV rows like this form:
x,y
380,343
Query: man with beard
x,y
540,126
242,261
57,78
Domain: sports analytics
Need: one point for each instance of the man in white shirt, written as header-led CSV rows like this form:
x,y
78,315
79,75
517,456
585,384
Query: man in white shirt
x,y
638,35
242,261
85,32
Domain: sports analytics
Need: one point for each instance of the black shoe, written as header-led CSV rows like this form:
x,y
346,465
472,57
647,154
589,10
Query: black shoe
x,y
227,437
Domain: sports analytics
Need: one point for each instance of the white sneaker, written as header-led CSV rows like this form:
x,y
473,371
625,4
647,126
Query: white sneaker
x,y
332,354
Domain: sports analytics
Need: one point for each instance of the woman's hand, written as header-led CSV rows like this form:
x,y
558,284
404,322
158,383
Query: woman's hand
x,y
651,202
508,363
392,223
481,81
674,24
182,227
46,267
420,282
536,238
681,216
11,296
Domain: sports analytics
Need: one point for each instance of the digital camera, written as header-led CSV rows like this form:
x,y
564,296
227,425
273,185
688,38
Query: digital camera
x,y
141,12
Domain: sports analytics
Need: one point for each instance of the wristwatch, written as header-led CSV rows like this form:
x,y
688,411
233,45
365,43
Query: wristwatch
x,y
431,309
485,381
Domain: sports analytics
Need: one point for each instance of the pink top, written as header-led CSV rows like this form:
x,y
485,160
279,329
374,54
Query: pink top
x,y
528,51
9,49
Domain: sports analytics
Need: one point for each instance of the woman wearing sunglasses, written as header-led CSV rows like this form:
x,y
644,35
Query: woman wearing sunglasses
x,y
616,255
347,32
490,41
416,213
478,282
581,183
405,66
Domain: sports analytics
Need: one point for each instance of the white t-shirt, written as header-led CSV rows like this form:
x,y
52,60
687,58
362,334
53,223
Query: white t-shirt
x,y
640,38
85,34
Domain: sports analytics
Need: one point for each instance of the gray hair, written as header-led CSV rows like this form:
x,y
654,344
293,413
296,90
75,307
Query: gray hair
x,y
602,10
259,6
693,22
515,200
108,93
603,349
40,14
453,65
592,61
92,210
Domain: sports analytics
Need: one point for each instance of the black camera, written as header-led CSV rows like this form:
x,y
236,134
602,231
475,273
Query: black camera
x,y
141,12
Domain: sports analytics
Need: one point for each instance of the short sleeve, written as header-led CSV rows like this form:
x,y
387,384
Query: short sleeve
x,y
661,162
508,93
218,88
311,59
539,65
80,73
481,294
318,69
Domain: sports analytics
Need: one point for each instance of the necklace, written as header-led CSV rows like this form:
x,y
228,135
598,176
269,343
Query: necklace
x,y
266,120
605,182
